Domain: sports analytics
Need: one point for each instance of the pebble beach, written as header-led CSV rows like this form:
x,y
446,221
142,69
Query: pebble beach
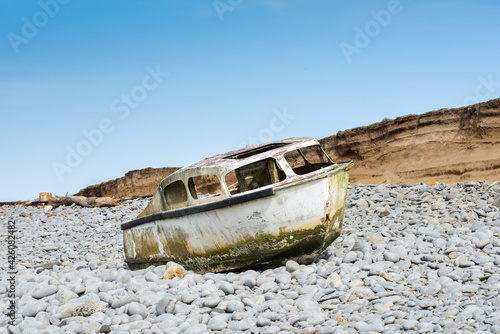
x,y
412,258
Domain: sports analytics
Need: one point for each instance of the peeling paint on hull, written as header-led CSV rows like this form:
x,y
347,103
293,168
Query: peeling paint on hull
x,y
298,222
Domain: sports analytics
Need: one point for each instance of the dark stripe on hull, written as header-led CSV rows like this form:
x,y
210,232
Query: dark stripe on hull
x,y
200,208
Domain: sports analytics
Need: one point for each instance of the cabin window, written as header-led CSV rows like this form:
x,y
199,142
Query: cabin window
x,y
253,176
204,186
232,182
175,195
307,159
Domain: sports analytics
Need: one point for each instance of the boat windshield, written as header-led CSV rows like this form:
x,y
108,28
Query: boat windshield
x,y
307,159
253,176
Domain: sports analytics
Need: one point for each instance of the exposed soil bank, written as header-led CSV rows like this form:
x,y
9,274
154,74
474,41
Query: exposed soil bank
x,y
140,182
446,145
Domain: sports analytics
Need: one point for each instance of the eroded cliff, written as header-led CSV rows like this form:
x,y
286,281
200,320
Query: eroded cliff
x,y
139,182
447,145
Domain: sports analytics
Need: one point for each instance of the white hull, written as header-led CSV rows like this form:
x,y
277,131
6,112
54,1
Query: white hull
x,y
299,221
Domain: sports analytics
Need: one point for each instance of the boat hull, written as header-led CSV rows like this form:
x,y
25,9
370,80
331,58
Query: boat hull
x,y
291,221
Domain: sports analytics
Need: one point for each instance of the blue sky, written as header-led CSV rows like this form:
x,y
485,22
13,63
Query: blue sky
x,y
92,89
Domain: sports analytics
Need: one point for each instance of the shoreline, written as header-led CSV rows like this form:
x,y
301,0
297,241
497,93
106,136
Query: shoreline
x,y
422,258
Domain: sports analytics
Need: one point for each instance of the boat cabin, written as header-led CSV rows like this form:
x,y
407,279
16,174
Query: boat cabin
x,y
230,174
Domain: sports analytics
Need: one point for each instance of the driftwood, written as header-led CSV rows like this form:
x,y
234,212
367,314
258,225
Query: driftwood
x,y
491,185
83,201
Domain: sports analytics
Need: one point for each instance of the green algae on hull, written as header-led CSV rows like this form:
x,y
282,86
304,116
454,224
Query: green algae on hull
x,y
260,250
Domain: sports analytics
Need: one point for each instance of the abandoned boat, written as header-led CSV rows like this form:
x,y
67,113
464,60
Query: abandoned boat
x,y
251,208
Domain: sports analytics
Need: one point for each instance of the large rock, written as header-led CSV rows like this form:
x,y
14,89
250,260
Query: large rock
x,y
88,308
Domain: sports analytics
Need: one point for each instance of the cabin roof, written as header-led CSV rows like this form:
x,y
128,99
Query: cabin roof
x,y
233,159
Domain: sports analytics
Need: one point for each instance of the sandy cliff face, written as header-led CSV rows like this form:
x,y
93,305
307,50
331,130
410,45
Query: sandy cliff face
x,y
447,145
140,182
